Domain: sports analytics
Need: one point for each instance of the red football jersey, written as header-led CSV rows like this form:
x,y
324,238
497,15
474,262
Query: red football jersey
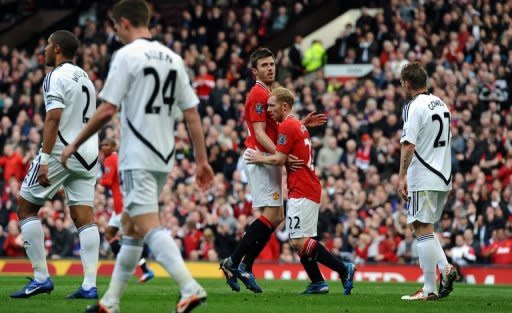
x,y
294,139
256,111
110,179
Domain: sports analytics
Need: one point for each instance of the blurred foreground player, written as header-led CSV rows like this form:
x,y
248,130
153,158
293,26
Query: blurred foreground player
x,y
147,79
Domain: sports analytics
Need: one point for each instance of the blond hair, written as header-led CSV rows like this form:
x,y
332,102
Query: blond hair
x,y
283,95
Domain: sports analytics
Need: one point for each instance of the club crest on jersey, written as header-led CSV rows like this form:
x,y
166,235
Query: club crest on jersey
x,y
275,196
282,139
259,108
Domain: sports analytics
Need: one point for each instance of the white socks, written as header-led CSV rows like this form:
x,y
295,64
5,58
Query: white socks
x,y
126,261
89,253
428,253
168,255
33,242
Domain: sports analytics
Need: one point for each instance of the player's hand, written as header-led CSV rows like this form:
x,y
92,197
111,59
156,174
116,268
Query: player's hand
x,y
42,176
204,175
68,151
252,156
402,189
314,119
293,163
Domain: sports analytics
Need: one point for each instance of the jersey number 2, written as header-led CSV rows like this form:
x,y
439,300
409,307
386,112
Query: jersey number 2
x,y
438,142
169,81
87,103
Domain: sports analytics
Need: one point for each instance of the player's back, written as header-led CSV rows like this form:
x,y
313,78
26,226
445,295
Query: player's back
x,y
68,87
302,182
429,117
156,81
256,111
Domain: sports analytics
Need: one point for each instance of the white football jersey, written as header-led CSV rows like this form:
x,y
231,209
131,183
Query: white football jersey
x,y
146,79
427,125
68,87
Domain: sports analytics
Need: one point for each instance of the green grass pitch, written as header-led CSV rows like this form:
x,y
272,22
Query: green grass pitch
x,y
159,295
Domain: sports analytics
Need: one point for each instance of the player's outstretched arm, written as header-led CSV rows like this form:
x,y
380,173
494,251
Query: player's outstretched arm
x,y
204,172
50,130
99,119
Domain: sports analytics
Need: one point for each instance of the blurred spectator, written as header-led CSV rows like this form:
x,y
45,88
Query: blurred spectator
x,y
62,240
13,244
314,57
500,249
329,155
462,253
407,250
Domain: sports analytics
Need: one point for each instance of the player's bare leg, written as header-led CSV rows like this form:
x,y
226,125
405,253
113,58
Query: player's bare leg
x,y
33,242
83,217
310,250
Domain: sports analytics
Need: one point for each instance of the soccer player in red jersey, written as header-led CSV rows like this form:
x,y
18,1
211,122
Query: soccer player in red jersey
x,y
304,192
110,179
264,181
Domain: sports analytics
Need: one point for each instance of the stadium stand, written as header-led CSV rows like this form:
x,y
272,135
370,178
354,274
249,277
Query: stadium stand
x,y
466,49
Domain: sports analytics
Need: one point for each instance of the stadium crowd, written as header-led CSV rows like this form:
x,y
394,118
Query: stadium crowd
x,y
466,48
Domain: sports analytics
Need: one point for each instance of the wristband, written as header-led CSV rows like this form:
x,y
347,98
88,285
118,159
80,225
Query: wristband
x,y
43,160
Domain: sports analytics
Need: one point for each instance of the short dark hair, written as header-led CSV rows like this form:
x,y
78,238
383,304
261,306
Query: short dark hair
x,y
136,11
415,74
67,42
259,54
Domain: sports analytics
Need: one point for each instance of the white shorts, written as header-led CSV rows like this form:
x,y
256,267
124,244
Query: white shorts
x,y
115,220
302,217
265,184
426,206
141,189
78,185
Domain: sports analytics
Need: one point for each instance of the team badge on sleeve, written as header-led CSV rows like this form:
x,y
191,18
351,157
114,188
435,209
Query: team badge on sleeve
x,y
259,108
282,139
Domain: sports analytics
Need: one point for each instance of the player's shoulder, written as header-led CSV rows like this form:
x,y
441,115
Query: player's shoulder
x,y
291,124
62,74
258,94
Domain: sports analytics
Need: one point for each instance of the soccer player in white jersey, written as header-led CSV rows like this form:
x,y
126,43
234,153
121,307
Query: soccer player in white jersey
x,y
70,101
425,177
146,79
